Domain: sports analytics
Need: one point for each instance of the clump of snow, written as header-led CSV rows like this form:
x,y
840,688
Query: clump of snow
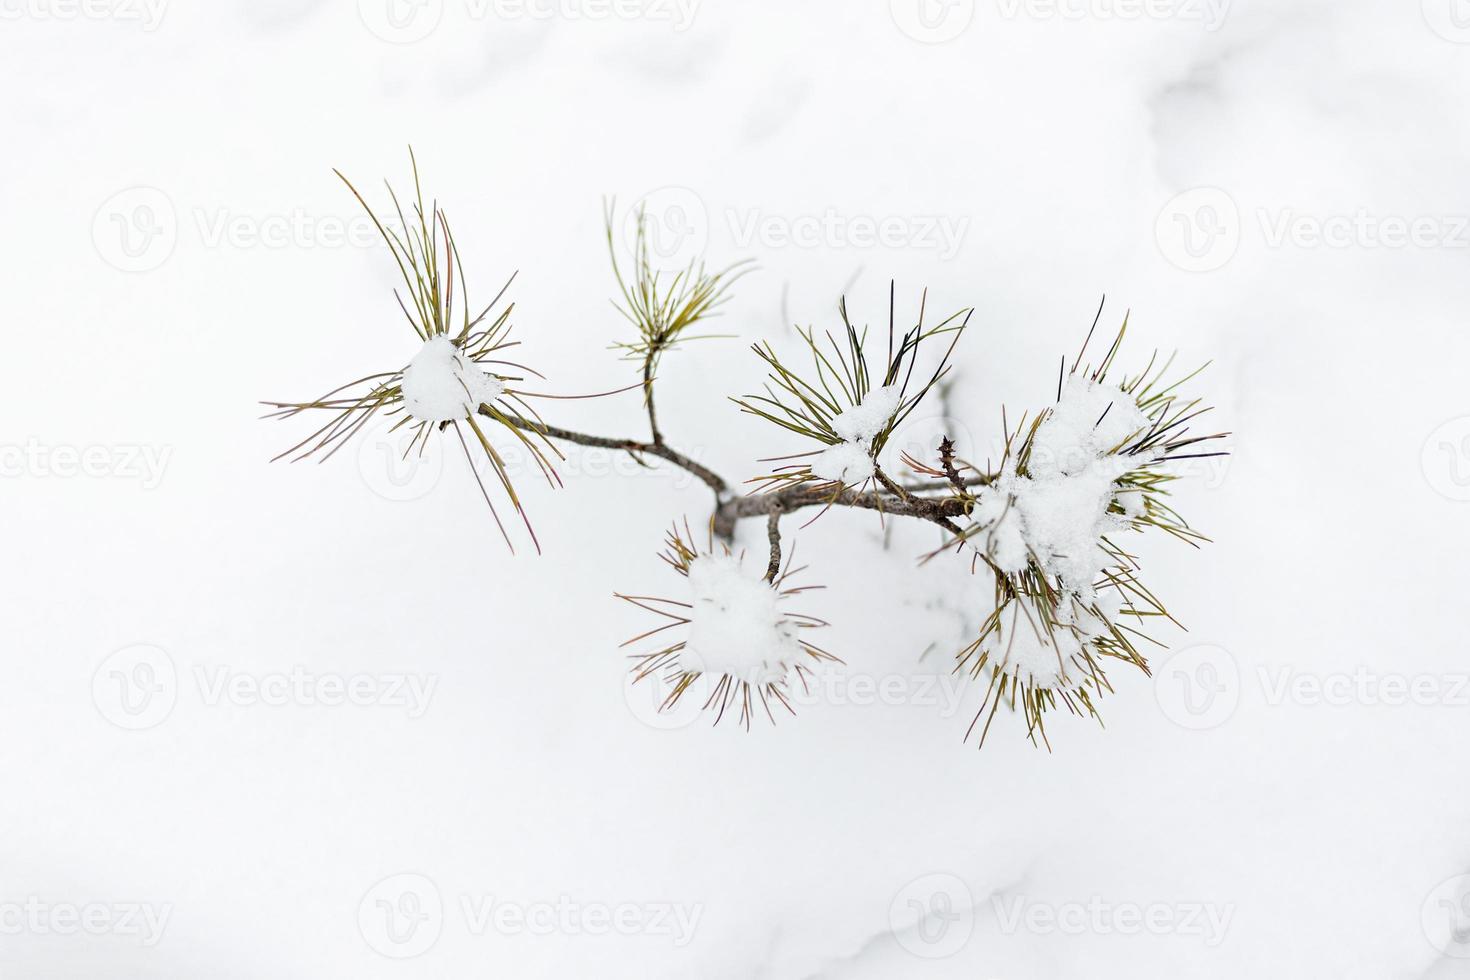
x,y
1001,537
863,421
736,626
1090,421
441,384
1059,511
845,463
851,460
1021,643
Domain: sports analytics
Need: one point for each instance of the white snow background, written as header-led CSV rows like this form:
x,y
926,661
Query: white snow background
x,y
170,255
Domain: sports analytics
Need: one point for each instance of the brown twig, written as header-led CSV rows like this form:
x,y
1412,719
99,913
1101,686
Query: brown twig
x,y
658,437
896,501
773,534
632,446
946,460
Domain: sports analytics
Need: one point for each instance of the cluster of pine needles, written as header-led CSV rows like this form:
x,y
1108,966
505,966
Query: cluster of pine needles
x,y
839,378
1051,608
723,692
437,305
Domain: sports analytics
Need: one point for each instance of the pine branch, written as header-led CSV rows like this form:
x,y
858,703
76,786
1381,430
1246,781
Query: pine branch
x,y
773,534
633,447
1044,645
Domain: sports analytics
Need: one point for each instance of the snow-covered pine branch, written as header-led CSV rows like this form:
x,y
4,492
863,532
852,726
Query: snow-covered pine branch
x,y
1042,523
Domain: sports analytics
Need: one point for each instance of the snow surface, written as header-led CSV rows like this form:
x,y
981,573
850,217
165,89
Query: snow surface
x,y
441,384
736,626
862,839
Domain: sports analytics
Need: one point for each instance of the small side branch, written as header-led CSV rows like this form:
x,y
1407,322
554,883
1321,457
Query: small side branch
x,y
895,500
658,437
709,477
773,533
938,510
946,460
